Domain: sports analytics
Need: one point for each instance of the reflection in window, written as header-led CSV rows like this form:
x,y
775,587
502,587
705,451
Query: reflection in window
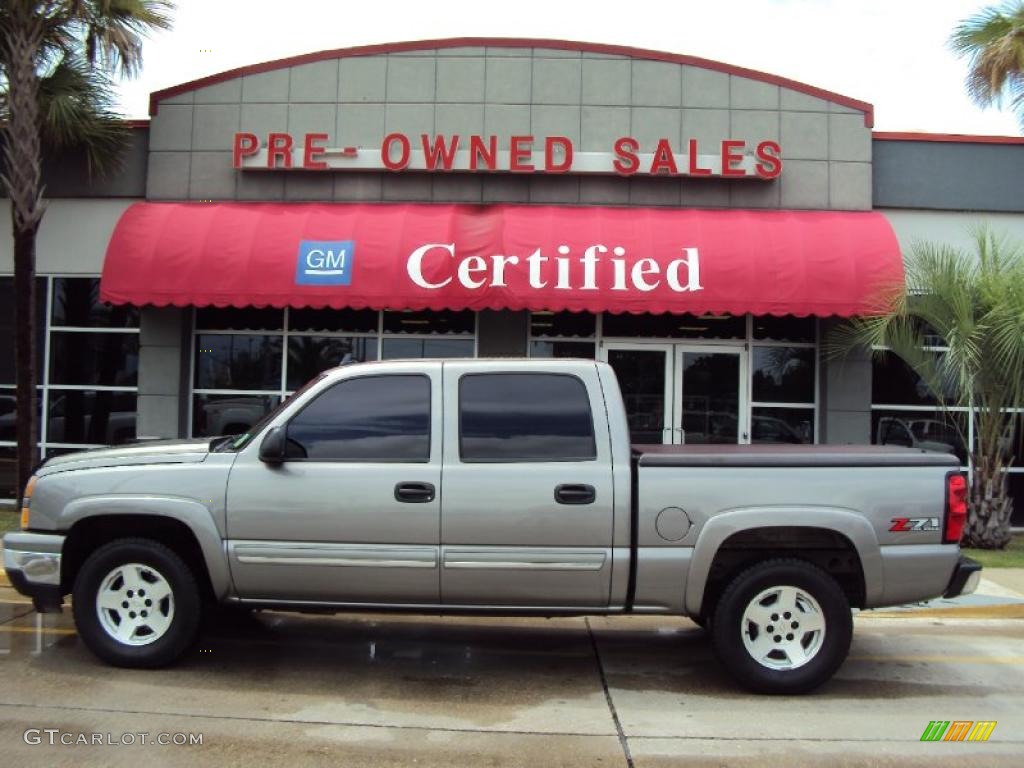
x,y
893,382
91,416
238,361
370,418
782,425
783,374
927,430
413,348
239,319
76,302
94,359
524,417
310,355
214,415
583,349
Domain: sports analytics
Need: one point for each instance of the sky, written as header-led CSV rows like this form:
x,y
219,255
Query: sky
x,y
890,53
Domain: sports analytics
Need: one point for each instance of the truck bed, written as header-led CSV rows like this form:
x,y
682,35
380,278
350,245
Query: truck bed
x,y
788,456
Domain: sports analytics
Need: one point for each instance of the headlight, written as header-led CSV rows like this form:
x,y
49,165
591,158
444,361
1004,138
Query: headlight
x,y
26,502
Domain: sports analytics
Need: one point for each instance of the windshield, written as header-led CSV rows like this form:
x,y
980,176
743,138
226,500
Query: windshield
x,y
238,442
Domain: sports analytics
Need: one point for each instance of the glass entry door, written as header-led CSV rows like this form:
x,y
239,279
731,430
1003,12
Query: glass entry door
x,y
645,378
710,403
679,393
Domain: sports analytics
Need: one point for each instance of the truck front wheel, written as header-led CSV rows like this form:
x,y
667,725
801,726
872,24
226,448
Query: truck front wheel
x,y
782,626
136,604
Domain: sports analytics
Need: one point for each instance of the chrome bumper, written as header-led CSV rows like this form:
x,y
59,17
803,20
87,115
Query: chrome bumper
x,y
32,562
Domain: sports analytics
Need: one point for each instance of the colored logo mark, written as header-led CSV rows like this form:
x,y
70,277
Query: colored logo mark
x,y
325,262
958,730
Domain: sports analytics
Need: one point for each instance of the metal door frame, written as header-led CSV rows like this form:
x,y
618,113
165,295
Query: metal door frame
x,y
743,387
672,429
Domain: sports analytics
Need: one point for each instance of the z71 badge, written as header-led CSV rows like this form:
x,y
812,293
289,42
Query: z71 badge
x,y
907,524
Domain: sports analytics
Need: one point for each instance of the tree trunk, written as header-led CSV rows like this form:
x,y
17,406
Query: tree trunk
x,y
989,510
25,353
23,183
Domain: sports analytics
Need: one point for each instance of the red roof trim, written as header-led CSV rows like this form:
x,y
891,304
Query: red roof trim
x,y
955,138
501,42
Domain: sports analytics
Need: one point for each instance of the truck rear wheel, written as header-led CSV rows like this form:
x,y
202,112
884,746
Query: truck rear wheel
x,y
136,604
782,626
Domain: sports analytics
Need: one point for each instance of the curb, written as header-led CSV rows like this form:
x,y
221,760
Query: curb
x,y
1001,611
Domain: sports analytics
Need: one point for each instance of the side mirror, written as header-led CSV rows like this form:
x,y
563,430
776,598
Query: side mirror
x,y
272,449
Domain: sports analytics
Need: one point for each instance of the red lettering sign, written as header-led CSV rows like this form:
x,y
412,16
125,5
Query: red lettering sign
x,y
519,154
626,162
769,153
439,151
404,151
279,145
312,150
245,144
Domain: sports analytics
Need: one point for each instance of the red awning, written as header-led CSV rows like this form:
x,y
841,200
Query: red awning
x,y
407,256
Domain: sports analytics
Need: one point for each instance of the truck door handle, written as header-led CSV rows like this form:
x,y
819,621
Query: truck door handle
x,y
575,494
414,493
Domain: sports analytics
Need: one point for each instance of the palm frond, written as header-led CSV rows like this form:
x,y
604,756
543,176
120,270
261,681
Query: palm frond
x,y
77,110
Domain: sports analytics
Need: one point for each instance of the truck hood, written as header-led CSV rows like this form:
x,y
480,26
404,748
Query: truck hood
x,y
148,452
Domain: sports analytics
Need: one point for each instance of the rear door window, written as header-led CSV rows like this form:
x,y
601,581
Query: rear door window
x,y
507,417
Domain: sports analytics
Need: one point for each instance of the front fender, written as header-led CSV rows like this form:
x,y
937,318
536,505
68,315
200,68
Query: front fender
x,y
849,523
197,517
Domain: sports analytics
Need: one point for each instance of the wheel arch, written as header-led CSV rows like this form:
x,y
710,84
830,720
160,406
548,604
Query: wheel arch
x,y
732,541
181,524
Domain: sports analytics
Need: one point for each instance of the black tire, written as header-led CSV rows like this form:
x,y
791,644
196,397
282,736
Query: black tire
x,y
827,651
184,607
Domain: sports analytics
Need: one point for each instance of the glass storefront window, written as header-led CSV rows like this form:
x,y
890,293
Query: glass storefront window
x,y
94,359
399,349
929,430
584,349
441,322
239,319
238,361
214,415
333,320
99,417
7,328
563,324
310,355
893,382
76,303
674,326
786,328
783,374
782,425
1015,487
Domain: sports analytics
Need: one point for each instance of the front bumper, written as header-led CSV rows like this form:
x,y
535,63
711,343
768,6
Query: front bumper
x,y
965,577
32,563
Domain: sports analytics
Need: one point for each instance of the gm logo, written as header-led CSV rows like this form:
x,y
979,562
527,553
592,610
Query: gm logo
x,y
325,262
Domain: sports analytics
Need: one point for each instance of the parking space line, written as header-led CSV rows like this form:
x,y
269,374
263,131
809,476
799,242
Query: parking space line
x,y
43,630
945,659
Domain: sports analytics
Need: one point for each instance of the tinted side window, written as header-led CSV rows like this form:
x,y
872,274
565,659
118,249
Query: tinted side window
x,y
524,417
372,418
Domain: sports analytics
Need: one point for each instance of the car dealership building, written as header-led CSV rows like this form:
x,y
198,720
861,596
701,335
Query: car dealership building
x,y
699,226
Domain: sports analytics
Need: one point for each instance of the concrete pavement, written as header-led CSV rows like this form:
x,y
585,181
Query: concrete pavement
x,y
387,690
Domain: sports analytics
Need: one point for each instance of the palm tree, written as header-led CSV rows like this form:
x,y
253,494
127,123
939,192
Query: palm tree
x,y
993,42
56,58
973,302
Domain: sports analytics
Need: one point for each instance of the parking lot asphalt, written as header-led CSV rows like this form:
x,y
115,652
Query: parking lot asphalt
x,y
397,690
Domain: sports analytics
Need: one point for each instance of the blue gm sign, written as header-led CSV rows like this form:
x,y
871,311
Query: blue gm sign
x,y
325,262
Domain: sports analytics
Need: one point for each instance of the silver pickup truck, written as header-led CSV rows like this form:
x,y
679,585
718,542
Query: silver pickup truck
x,y
498,486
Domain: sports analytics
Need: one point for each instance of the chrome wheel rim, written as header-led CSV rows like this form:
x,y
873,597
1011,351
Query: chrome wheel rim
x,y
783,628
135,604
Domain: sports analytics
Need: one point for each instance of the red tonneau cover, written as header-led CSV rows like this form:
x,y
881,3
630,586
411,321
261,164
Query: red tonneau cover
x,y
422,256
